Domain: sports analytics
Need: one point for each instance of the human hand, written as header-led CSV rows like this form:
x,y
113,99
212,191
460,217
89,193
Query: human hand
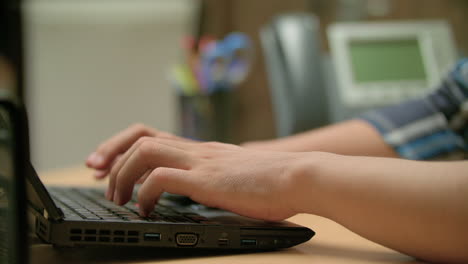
x,y
109,151
252,183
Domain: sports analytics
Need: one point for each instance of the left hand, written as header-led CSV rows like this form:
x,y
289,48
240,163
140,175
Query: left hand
x,y
252,183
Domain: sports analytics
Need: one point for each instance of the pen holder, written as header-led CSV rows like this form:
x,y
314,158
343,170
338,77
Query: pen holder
x,y
206,117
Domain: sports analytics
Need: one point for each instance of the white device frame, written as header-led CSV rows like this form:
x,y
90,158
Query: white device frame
x,y
437,47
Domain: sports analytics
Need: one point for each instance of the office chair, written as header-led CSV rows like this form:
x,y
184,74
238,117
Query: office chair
x,y
291,45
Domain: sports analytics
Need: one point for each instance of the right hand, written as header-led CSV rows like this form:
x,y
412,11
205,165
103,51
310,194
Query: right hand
x,y
110,150
258,184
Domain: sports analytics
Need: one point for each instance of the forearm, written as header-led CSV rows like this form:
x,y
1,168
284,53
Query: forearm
x,y
419,208
354,137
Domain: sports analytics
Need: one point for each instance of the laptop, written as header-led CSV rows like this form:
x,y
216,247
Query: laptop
x,y
13,231
72,216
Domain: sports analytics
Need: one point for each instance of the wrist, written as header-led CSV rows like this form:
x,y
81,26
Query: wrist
x,y
310,177
260,145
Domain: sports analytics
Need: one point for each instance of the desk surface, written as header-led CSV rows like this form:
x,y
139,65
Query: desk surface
x,y
332,243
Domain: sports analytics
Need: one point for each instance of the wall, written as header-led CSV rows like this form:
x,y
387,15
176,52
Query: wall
x,y
95,67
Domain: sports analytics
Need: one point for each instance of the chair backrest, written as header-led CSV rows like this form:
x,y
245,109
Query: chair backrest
x,y
291,45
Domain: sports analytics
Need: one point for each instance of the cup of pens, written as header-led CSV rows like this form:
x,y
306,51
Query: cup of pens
x,y
205,82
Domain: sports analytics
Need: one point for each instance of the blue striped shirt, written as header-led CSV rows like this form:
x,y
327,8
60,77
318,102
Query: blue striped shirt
x,y
432,127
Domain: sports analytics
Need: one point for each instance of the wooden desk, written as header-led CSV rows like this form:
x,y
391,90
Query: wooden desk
x,y
332,243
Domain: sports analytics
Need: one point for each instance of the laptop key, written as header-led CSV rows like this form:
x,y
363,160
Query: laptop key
x,y
92,218
90,205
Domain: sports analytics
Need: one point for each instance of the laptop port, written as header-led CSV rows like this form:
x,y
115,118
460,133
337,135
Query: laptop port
x,y
223,242
42,225
152,237
248,242
186,239
42,232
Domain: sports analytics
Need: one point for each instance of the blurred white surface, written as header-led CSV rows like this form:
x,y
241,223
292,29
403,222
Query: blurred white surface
x,y
95,67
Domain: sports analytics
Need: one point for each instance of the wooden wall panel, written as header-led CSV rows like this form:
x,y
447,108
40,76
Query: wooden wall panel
x,y
254,118
454,11
253,113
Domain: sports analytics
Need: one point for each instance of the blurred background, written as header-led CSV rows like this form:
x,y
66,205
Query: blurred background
x,y
95,67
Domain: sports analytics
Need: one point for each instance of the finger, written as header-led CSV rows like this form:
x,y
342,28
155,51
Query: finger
x,y
176,143
116,145
144,177
101,174
163,180
118,165
167,135
149,155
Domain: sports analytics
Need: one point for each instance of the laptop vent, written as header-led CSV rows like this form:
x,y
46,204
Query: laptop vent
x,y
104,236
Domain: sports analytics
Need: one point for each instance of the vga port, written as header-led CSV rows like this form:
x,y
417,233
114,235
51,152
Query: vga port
x,y
186,239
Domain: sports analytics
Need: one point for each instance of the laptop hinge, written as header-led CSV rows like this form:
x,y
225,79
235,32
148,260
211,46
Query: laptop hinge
x,y
58,218
39,198
44,213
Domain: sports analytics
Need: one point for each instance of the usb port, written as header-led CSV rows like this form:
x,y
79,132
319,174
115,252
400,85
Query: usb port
x,y
152,237
248,242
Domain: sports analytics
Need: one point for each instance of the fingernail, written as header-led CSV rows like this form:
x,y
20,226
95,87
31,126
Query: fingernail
x,y
117,198
100,174
143,213
108,194
95,159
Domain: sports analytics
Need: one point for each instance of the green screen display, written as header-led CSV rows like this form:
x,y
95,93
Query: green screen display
x,y
387,60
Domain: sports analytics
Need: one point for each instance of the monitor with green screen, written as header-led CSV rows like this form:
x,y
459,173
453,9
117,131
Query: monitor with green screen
x,y
386,60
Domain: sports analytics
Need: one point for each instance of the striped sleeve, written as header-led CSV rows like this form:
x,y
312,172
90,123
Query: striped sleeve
x,y
432,127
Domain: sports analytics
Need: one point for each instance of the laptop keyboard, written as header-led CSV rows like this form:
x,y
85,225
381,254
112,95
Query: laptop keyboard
x,y
90,204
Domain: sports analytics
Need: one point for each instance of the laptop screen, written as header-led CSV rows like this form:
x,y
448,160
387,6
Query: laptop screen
x,y
13,229
10,208
17,174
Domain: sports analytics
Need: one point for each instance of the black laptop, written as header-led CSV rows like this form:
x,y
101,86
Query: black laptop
x,y
69,217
